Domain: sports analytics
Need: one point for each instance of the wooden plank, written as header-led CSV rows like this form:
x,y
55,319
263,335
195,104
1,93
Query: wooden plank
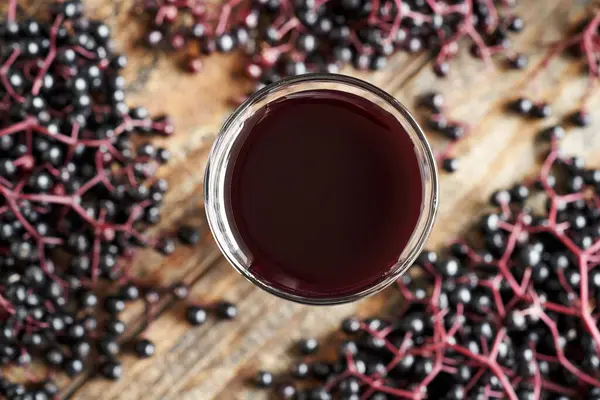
x,y
216,360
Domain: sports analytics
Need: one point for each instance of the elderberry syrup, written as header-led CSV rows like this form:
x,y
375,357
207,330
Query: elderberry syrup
x,y
321,189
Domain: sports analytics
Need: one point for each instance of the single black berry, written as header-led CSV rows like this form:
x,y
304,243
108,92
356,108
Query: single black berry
x,y
144,348
308,346
189,235
450,164
264,379
523,106
111,370
541,110
196,315
581,118
226,310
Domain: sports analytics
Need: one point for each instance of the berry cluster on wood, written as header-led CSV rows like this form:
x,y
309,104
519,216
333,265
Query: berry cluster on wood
x,y
282,38
583,43
76,199
512,315
438,122
285,38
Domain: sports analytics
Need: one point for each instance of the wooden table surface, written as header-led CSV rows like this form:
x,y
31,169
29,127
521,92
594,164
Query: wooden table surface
x,y
218,359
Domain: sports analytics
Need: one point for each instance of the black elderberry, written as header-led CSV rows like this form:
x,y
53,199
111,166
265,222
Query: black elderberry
x,y
342,54
146,150
351,326
530,256
50,388
56,323
264,379
320,370
461,295
423,367
74,367
109,346
522,106
594,394
81,349
412,323
301,370
450,164
15,391
454,132
361,61
129,292
76,332
196,315
180,290
349,386
441,69
118,61
54,357
516,24
39,395
379,396
154,38
541,110
515,320
306,43
319,394
163,155
378,62
144,348
152,296
433,101
308,346
111,370
308,17
374,323
575,184
189,235
114,305
287,391
226,310
519,193
152,215
581,118
428,257
490,223
500,197
166,246
115,327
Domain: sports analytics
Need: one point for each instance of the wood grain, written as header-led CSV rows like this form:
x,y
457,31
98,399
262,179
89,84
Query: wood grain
x,y
217,359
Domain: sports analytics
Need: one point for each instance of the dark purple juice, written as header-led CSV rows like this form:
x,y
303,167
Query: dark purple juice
x,y
326,191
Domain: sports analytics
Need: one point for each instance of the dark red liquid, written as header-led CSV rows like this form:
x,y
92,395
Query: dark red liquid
x,y
325,193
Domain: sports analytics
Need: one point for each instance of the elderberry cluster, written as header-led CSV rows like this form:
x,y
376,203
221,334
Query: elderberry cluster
x,y
286,38
76,196
582,44
513,315
438,122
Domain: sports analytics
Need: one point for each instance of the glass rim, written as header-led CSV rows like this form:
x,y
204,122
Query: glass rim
x,y
215,186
